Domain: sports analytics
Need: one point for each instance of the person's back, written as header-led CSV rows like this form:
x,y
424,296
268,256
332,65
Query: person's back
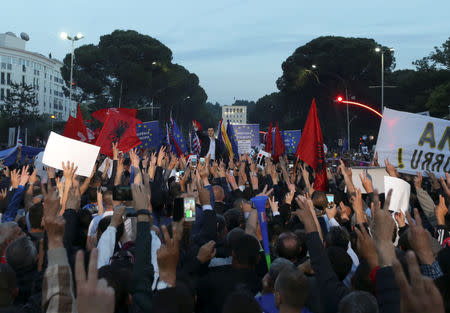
x,y
214,288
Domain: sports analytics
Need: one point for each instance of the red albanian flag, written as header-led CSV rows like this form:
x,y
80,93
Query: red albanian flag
x,y
118,128
310,148
279,145
75,128
102,114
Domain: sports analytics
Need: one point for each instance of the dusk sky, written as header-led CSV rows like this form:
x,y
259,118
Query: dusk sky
x,y
235,47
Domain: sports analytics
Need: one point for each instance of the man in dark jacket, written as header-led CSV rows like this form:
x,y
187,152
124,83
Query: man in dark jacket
x,y
209,144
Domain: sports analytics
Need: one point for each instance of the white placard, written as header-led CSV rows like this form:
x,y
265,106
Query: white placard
x,y
414,142
62,149
401,191
103,166
244,146
41,172
376,174
261,159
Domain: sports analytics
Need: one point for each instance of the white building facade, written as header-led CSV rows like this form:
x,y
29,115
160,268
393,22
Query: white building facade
x,y
235,114
20,66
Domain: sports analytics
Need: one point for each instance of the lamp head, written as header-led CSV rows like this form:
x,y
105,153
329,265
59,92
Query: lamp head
x,y
63,35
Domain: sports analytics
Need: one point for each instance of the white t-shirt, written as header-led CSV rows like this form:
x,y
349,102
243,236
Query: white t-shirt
x,y
212,148
92,231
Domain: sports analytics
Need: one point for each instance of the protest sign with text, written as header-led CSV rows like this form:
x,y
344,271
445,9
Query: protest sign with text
x,y
414,142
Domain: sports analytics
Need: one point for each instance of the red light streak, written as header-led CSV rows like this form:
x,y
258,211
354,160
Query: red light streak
x,y
364,106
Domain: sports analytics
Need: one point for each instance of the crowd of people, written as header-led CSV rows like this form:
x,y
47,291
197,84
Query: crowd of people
x,y
75,244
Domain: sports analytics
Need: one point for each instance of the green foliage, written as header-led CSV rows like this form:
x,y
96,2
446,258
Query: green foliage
x,y
439,101
20,106
135,70
439,58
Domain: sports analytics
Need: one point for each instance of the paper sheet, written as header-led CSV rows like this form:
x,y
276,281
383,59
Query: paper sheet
x,y
103,166
41,172
62,149
401,191
376,174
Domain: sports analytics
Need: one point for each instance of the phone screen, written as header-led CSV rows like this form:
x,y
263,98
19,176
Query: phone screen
x,y
189,209
194,162
202,161
330,198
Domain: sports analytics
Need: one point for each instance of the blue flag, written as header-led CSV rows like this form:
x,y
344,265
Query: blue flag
x,y
291,138
150,134
178,143
232,138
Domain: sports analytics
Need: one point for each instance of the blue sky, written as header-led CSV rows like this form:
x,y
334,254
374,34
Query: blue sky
x,y
235,47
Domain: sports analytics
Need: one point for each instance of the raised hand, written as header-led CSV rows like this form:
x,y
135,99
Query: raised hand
x,y
15,179
358,208
33,178
421,295
3,193
168,256
441,211
383,230
366,182
93,295
117,217
418,180
161,156
305,214
273,204
115,150
366,246
331,210
134,158
73,198
400,218
392,171
207,252
69,170
24,177
445,183
140,197
419,239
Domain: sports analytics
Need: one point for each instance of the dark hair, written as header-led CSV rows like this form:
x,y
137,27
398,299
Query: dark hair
x,y
241,302
21,253
443,284
292,285
36,212
319,199
234,218
246,250
301,237
7,284
340,261
291,251
337,236
119,278
278,266
361,280
103,225
443,258
358,302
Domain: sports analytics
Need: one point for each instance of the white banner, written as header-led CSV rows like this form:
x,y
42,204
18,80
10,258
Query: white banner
x,y
62,149
414,143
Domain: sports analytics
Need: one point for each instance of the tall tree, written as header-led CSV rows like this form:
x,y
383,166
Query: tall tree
x,y
20,105
135,70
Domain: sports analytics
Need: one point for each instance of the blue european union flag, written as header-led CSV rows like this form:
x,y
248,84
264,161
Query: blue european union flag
x,y
150,134
291,139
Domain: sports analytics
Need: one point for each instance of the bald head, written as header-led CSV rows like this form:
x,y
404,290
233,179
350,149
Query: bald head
x,y
219,194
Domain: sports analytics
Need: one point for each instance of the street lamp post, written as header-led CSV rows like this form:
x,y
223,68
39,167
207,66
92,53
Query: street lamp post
x,y
73,39
381,50
346,98
52,117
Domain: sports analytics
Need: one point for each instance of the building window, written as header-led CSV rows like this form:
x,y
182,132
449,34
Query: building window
x,y
9,66
2,80
23,80
7,93
8,78
24,69
2,94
